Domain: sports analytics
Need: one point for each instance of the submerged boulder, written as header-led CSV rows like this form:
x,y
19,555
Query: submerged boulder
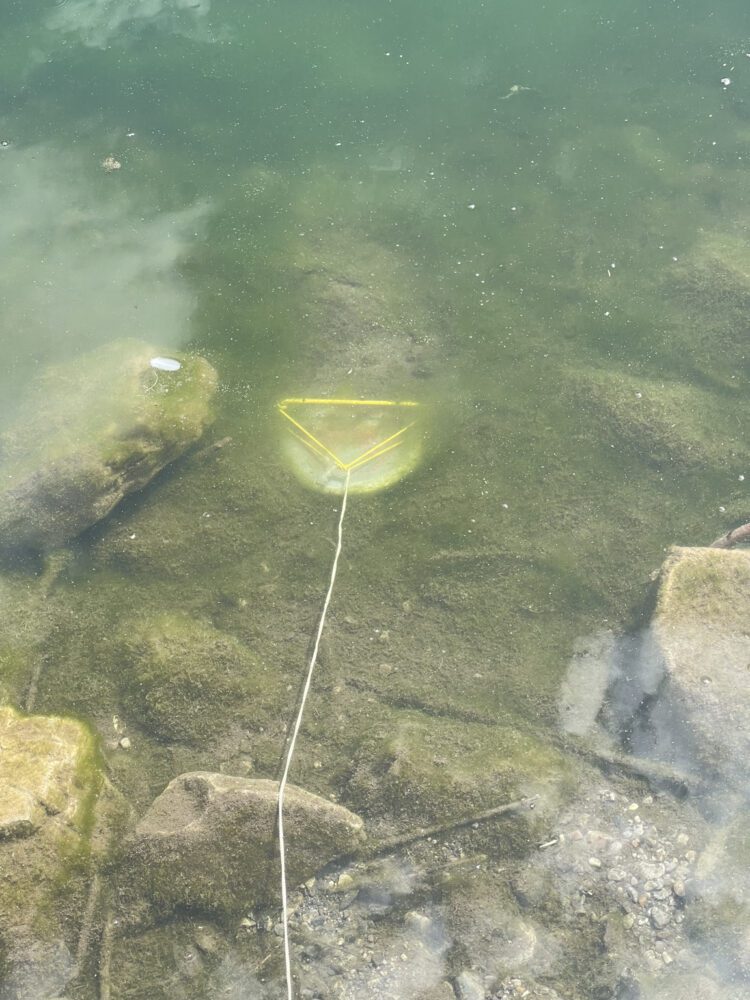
x,y
58,815
209,842
420,771
188,681
89,432
692,668
665,423
718,917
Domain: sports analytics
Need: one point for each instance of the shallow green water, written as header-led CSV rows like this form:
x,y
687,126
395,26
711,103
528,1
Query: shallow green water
x,y
531,218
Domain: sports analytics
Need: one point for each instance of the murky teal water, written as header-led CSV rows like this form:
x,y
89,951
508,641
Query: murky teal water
x,y
531,218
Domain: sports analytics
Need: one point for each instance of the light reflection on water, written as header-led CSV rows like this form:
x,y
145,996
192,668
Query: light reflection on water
x,y
85,263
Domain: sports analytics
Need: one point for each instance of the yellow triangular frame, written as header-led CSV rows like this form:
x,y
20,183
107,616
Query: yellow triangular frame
x,y
306,436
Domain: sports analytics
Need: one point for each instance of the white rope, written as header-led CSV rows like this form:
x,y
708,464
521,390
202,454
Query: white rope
x,y
292,742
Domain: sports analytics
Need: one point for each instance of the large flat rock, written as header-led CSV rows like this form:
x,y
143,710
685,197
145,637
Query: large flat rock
x,y
58,815
695,661
209,842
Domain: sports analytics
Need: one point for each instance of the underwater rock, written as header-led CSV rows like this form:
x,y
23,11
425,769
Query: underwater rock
x,y
678,985
718,915
710,284
91,431
664,423
693,665
417,770
368,312
208,842
469,987
187,681
40,790
58,814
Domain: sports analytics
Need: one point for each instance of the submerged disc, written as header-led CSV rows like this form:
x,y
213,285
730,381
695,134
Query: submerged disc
x,y
376,443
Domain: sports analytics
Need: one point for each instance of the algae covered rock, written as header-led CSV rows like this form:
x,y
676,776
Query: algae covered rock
x,y
711,285
208,842
58,815
41,765
693,664
89,432
665,423
419,770
188,681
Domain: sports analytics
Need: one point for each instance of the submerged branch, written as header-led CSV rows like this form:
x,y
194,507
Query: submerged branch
x,y
404,839
733,537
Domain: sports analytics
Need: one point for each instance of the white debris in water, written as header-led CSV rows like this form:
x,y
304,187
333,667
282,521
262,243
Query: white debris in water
x,y
166,364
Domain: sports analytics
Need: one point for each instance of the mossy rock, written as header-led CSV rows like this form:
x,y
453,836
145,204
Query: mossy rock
x,y
59,818
694,660
89,432
705,585
665,423
418,770
209,843
187,681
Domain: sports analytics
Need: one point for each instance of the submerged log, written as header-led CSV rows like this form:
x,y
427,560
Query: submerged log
x,y
734,537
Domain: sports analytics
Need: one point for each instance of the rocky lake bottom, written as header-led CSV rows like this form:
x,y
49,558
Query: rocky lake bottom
x,y
521,769
456,829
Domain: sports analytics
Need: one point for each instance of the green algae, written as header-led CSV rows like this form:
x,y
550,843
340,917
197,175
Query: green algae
x,y
79,817
186,681
666,423
90,431
705,585
420,770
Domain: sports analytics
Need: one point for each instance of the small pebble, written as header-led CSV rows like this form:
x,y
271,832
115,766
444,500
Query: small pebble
x,y
660,917
418,921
